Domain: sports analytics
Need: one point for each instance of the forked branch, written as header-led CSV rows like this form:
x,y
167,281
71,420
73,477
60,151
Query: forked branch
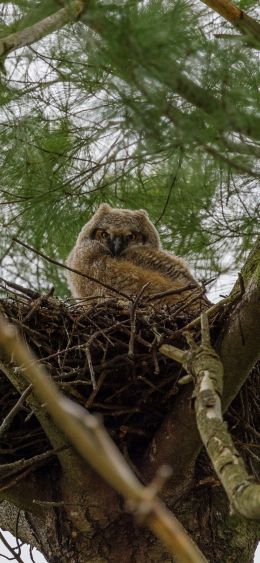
x,y
204,366
238,18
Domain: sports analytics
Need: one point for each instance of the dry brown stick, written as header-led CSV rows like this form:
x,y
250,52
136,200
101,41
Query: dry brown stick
x,y
16,466
16,479
61,265
10,416
204,364
133,307
209,312
25,290
186,303
170,292
37,304
91,369
95,391
90,439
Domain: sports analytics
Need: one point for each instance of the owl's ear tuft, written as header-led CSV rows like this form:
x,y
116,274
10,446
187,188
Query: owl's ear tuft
x,y
142,213
103,208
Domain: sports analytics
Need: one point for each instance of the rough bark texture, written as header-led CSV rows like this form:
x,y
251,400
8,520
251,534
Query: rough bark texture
x,y
222,538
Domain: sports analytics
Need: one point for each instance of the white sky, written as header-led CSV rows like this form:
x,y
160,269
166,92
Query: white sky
x,y
25,551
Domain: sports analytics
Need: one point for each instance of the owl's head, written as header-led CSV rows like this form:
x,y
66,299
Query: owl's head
x,y
117,229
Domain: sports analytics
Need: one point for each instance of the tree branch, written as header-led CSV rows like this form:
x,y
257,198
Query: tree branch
x,y
61,265
177,442
238,18
204,364
40,29
15,555
184,86
15,376
8,521
238,344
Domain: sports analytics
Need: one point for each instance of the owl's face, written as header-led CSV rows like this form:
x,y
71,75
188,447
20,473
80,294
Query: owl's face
x,y
119,229
118,239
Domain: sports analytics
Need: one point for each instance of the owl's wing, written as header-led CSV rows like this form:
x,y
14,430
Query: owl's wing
x,y
106,275
169,266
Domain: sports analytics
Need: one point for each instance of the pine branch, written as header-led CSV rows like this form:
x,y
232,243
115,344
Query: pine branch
x,y
240,122
239,19
183,85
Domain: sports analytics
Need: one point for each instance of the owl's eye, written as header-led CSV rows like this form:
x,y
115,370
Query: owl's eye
x,y
104,234
132,236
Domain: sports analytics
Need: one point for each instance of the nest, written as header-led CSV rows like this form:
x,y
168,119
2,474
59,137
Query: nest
x,y
107,360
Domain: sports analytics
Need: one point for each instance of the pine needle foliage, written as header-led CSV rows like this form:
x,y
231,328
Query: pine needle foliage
x,y
139,104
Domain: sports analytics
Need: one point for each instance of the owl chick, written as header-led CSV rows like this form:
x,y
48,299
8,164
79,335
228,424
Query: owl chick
x,y
120,250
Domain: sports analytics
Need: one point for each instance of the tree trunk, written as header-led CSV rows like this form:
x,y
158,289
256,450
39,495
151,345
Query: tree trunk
x,y
205,514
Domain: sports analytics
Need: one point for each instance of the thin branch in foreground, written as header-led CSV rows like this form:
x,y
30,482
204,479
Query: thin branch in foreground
x,y
204,364
91,440
61,265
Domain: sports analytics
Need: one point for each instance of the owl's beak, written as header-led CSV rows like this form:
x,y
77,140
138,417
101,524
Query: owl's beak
x,y
117,245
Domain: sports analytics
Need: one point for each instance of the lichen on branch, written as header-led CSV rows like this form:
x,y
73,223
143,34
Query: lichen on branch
x,y
205,367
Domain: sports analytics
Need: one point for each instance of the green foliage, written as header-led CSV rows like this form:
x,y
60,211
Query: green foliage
x,y
138,104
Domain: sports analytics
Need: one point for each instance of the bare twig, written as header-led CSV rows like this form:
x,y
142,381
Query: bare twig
x,y
209,312
162,294
61,265
9,418
91,370
173,182
12,551
133,307
26,290
15,466
94,392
